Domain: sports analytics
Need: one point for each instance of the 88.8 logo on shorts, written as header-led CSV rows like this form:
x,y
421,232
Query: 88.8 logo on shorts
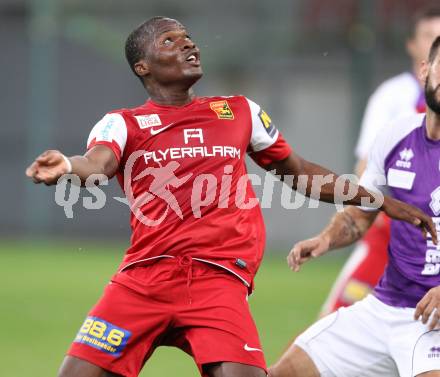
x,y
102,335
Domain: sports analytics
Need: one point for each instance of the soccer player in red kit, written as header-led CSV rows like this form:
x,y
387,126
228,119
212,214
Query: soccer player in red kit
x,y
198,233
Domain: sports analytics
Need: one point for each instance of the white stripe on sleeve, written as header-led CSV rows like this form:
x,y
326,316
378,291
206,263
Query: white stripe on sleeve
x,y
264,133
111,128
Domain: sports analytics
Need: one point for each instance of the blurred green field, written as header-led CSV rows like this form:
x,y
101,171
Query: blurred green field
x,y
47,289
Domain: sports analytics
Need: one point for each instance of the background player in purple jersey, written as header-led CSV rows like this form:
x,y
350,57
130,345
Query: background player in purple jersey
x,y
398,95
396,330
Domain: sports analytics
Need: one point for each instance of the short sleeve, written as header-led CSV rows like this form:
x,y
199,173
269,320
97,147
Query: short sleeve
x,y
374,177
267,145
110,131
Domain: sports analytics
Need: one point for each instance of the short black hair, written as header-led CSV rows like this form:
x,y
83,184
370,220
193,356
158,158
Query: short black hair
x,y
433,51
424,14
139,39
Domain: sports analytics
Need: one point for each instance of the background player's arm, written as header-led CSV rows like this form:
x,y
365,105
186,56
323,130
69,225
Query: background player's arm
x,y
51,165
345,228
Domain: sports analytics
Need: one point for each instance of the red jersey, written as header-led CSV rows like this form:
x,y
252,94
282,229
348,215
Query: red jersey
x,y
184,174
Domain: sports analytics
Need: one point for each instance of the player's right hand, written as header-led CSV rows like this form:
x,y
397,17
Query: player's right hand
x,y
305,250
48,168
402,211
429,307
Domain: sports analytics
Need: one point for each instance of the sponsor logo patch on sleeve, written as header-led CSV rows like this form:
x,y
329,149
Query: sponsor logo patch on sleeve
x,y
222,109
103,335
267,123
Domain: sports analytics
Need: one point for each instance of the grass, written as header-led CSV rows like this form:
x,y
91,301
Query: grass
x,y
47,289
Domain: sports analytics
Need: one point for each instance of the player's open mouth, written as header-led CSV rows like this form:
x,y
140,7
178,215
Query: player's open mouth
x,y
193,59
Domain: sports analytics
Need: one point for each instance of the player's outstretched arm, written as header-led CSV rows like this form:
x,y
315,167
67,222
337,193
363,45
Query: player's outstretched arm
x,y
51,165
345,228
321,183
326,186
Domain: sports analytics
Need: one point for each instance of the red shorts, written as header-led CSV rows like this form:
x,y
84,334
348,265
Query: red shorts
x,y
363,269
200,309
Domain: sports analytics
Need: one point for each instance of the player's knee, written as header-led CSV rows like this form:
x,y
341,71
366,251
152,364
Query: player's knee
x,y
433,373
66,368
294,363
74,367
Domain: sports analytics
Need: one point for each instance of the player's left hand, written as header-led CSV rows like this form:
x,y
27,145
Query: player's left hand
x,y
305,250
429,305
401,211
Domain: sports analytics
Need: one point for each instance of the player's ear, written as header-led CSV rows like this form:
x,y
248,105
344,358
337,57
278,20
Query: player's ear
x,y
423,72
141,68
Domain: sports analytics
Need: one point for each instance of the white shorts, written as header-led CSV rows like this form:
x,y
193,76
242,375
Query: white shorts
x,y
371,338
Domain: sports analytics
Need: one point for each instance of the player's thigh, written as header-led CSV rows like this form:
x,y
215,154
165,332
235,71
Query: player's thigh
x,y
218,326
350,342
416,348
227,369
74,367
119,332
294,363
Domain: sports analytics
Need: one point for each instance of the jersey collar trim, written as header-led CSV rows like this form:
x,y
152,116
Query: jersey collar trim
x,y
151,103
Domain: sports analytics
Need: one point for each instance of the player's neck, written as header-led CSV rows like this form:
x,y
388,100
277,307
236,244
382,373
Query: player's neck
x,y
170,96
432,125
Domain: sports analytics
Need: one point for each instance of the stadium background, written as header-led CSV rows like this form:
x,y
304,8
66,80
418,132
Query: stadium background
x,y
310,64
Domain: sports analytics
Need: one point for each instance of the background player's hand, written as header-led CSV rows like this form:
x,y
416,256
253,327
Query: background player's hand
x,y
427,306
405,212
48,168
306,250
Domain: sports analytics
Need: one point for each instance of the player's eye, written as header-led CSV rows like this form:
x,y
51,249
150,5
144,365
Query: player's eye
x,y
188,37
167,41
